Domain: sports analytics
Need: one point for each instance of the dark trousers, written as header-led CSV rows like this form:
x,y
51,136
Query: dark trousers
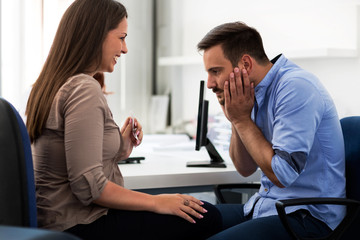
x,y
119,224
237,226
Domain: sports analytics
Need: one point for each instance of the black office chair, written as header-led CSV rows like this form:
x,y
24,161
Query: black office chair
x,y
18,218
347,229
235,192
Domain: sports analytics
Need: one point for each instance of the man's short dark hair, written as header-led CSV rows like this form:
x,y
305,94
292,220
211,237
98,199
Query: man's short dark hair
x,y
236,39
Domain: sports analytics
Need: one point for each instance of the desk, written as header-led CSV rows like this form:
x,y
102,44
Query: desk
x,y
164,168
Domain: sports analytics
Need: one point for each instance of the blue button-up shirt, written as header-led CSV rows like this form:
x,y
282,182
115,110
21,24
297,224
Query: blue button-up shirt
x,y
297,115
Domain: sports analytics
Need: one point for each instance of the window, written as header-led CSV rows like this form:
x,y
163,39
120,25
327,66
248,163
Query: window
x,y
27,31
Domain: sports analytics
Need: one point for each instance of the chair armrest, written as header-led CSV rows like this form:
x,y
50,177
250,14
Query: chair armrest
x,y
219,187
353,208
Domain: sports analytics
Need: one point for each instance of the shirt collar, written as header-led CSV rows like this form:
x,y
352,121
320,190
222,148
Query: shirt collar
x,y
261,88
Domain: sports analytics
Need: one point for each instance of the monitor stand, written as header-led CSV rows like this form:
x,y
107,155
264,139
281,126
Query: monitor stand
x,y
215,162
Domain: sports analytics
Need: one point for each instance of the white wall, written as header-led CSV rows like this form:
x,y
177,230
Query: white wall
x,y
322,36
283,24
131,80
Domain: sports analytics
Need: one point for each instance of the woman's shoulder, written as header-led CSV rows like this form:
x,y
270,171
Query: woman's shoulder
x,y
82,80
79,92
80,84
79,88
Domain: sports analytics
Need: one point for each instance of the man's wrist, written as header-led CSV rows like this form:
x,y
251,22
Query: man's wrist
x,y
242,124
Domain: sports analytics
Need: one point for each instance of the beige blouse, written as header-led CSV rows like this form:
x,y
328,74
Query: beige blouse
x,y
75,156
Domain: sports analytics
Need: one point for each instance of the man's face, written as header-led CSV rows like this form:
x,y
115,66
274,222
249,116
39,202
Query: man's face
x,y
218,69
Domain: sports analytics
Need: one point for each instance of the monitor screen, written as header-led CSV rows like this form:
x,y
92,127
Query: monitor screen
x,y
201,135
201,130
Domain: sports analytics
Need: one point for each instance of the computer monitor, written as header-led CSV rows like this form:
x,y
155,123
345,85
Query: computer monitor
x,y
201,135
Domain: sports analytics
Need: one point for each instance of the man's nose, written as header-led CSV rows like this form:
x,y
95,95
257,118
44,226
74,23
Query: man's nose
x,y
210,82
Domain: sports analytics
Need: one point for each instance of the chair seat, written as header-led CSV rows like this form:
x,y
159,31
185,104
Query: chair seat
x,y
22,233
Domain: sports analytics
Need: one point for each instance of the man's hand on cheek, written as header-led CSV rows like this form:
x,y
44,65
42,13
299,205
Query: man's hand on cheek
x,y
239,96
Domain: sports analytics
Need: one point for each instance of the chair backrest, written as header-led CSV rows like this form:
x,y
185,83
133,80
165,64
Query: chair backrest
x,y
351,132
17,186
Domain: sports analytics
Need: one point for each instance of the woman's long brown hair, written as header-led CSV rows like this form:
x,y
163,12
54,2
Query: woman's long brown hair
x,y
77,48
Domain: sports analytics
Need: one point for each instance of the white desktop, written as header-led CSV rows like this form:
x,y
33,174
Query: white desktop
x,y
164,167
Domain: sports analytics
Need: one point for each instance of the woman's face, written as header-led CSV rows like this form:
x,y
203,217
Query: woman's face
x,y
113,46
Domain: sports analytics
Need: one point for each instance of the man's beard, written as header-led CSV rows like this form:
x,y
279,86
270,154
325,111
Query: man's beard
x,y
221,99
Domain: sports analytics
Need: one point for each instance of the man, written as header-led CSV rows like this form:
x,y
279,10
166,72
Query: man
x,y
284,122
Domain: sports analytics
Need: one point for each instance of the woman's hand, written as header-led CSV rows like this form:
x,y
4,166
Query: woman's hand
x,y
180,205
132,135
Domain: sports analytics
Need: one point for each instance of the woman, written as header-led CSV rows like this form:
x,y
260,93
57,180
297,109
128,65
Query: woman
x,y
76,143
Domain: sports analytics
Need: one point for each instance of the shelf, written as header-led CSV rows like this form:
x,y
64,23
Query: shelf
x,y
291,54
321,53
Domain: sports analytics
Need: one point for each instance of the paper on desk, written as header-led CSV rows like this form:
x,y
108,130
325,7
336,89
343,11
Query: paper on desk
x,y
164,142
165,139
182,146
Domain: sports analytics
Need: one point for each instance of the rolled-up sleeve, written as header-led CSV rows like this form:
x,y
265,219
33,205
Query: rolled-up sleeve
x,y
84,116
298,112
89,186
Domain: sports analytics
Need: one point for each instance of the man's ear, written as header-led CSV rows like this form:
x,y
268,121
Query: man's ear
x,y
247,62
